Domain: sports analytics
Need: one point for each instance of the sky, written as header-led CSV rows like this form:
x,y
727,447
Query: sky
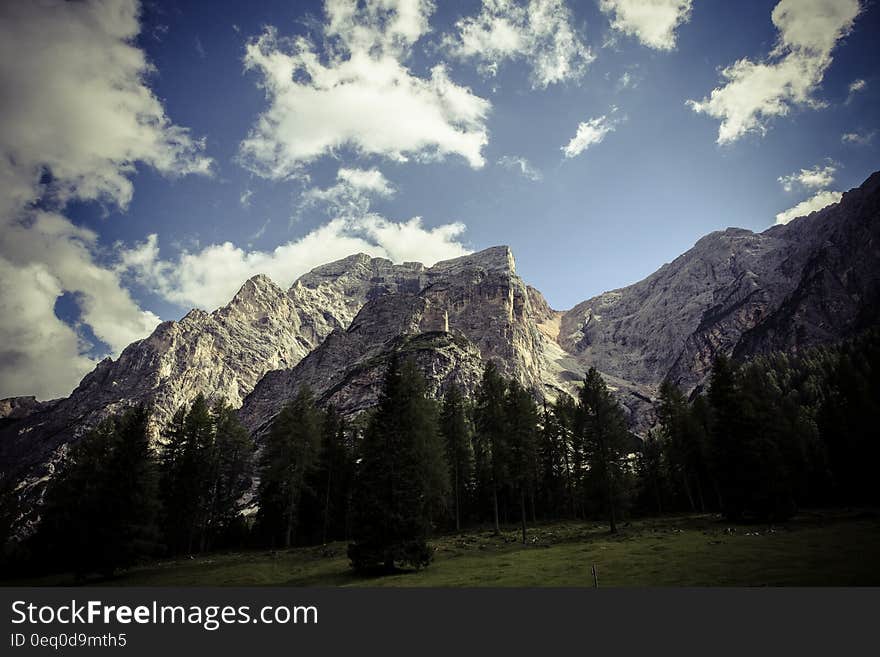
x,y
156,154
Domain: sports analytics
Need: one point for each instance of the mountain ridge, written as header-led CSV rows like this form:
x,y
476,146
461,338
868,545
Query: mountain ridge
x,y
811,281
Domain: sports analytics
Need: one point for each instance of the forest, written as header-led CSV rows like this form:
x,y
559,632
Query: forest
x,y
763,439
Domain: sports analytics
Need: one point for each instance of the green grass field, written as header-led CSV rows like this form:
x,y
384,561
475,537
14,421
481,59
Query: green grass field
x,y
815,549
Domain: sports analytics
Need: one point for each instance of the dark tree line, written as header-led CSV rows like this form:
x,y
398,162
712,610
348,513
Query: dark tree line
x,y
764,438
768,436
117,500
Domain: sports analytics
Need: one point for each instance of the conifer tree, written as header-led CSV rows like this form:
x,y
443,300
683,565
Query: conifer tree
x,y
456,432
325,507
206,460
522,426
491,446
101,508
605,436
565,416
401,478
289,458
233,472
649,467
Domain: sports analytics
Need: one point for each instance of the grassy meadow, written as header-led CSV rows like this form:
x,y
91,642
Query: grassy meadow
x,y
813,549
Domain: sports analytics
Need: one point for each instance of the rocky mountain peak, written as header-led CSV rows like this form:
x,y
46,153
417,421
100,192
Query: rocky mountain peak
x,y
495,258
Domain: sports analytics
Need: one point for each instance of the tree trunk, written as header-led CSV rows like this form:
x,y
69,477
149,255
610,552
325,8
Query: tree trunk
x,y
327,504
534,508
687,490
700,495
611,514
657,495
457,502
495,501
522,504
568,479
288,532
609,479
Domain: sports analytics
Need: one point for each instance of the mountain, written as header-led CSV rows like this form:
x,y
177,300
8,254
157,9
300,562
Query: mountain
x,y
812,281
465,312
221,354
808,282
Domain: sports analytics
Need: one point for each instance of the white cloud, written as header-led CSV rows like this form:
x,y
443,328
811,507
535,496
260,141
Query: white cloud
x,y
352,193
653,22
540,32
857,85
76,106
627,81
755,92
590,133
818,201
210,277
365,180
75,101
356,91
39,354
860,138
818,176
245,198
522,166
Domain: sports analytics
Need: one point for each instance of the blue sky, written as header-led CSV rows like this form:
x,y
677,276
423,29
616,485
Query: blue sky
x,y
189,195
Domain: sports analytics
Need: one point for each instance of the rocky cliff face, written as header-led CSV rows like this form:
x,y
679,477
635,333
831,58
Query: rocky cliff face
x,y
811,281
814,280
220,354
467,311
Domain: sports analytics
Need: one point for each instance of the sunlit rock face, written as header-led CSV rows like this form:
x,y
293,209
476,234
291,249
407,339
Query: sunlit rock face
x,y
811,281
464,313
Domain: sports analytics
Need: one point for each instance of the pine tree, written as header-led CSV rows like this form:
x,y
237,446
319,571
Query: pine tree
x,y
725,428
402,476
325,507
569,441
522,427
605,436
456,432
101,508
289,458
197,472
649,468
685,445
206,460
233,473
491,448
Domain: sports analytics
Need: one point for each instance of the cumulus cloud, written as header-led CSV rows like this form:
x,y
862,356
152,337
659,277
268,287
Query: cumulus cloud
x,y
589,133
539,31
351,195
355,90
816,202
78,117
522,166
818,176
208,278
653,22
756,92
39,354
